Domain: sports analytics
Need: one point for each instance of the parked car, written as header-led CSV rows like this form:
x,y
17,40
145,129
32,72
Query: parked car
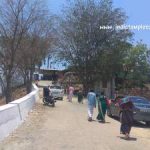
x,y
57,91
141,108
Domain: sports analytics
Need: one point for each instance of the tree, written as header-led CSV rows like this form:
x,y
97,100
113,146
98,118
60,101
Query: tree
x,y
17,18
88,49
137,68
35,47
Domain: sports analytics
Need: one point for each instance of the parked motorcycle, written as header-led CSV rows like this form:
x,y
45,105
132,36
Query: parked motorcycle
x,y
48,99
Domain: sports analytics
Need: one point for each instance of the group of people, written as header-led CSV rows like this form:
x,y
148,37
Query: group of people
x,y
126,111
71,93
102,106
102,103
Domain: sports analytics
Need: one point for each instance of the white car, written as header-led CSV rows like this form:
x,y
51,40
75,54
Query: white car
x,y
57,91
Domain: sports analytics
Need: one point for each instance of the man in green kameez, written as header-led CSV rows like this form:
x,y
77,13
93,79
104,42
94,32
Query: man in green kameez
x,y
102,107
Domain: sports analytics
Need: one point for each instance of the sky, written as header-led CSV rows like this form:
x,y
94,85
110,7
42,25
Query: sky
x,y
138,12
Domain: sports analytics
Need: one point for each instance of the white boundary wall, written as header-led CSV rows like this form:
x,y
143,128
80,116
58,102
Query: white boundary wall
x,y
14,113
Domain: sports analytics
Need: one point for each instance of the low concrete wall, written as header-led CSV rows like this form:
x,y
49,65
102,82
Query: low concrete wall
x,y
9,119
14,113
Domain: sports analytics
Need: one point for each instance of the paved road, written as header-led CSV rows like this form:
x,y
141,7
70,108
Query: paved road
x,y
65,127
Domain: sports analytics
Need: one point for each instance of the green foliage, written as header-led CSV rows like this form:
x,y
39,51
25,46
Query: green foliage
x,y
89,49
136,66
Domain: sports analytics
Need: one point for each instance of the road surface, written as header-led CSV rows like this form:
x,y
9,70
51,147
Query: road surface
x,y
65,127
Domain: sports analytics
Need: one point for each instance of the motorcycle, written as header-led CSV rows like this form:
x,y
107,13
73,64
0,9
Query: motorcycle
x,y
48,99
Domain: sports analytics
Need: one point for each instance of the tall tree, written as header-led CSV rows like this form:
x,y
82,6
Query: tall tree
x,y
17,18
35,47
91,50
137,68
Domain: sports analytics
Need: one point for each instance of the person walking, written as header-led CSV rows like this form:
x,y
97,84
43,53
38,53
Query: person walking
x,y
126,117
80,96
91,97
70,93
102,107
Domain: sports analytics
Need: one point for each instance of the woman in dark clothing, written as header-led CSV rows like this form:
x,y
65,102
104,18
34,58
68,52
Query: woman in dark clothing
x,y
80,96
126,118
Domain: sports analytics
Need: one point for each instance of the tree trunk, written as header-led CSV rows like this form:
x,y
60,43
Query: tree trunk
x,y
29,87
29,82
2,86
25,79
112,88
8,90
87,86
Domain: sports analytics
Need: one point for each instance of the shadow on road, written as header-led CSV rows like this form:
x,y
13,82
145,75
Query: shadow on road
x,y
100,121
130,139
48,105
103,122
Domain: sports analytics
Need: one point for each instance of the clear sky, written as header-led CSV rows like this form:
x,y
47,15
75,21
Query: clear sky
x,y
138,12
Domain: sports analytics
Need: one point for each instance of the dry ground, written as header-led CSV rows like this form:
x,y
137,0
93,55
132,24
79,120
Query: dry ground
x,y
65,127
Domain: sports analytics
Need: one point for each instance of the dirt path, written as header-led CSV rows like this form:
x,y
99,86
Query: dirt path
x,y
65,127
